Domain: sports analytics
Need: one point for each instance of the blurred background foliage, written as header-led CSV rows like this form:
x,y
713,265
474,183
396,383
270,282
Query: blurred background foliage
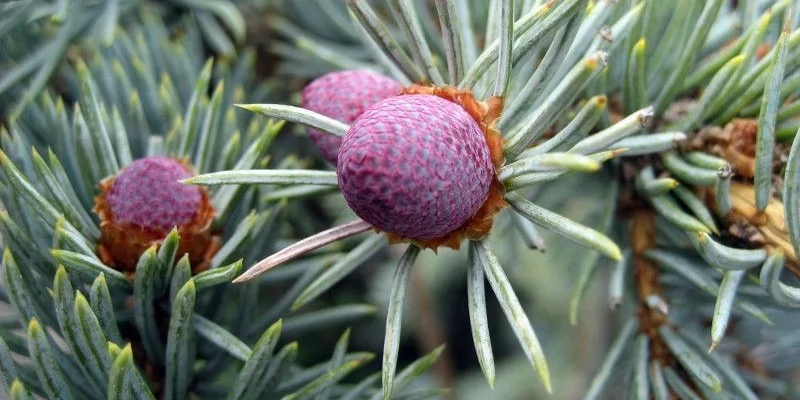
x,y
40,42
265,51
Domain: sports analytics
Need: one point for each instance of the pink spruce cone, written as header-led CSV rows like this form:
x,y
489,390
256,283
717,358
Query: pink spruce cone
x,y
417,166
343,96
147,193
138,207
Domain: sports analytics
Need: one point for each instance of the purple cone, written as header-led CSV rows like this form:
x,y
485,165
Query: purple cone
x,y
415,165
147,193
343,96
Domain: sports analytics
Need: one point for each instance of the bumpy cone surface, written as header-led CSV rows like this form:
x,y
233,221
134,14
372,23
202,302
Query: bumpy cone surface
x,y
417,166
343,96
139,206
147,193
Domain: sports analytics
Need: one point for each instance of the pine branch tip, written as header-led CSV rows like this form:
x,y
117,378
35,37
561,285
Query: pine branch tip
x,y
248,107
296,306
547,384
33,325
246,276
713,346
615,253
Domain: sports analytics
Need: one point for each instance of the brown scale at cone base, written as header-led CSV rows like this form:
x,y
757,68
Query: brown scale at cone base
x,y
736,143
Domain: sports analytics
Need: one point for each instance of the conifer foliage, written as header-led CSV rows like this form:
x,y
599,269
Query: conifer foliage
x,y
188,188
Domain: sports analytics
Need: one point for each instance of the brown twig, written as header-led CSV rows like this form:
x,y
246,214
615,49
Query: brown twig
x,y
643,237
